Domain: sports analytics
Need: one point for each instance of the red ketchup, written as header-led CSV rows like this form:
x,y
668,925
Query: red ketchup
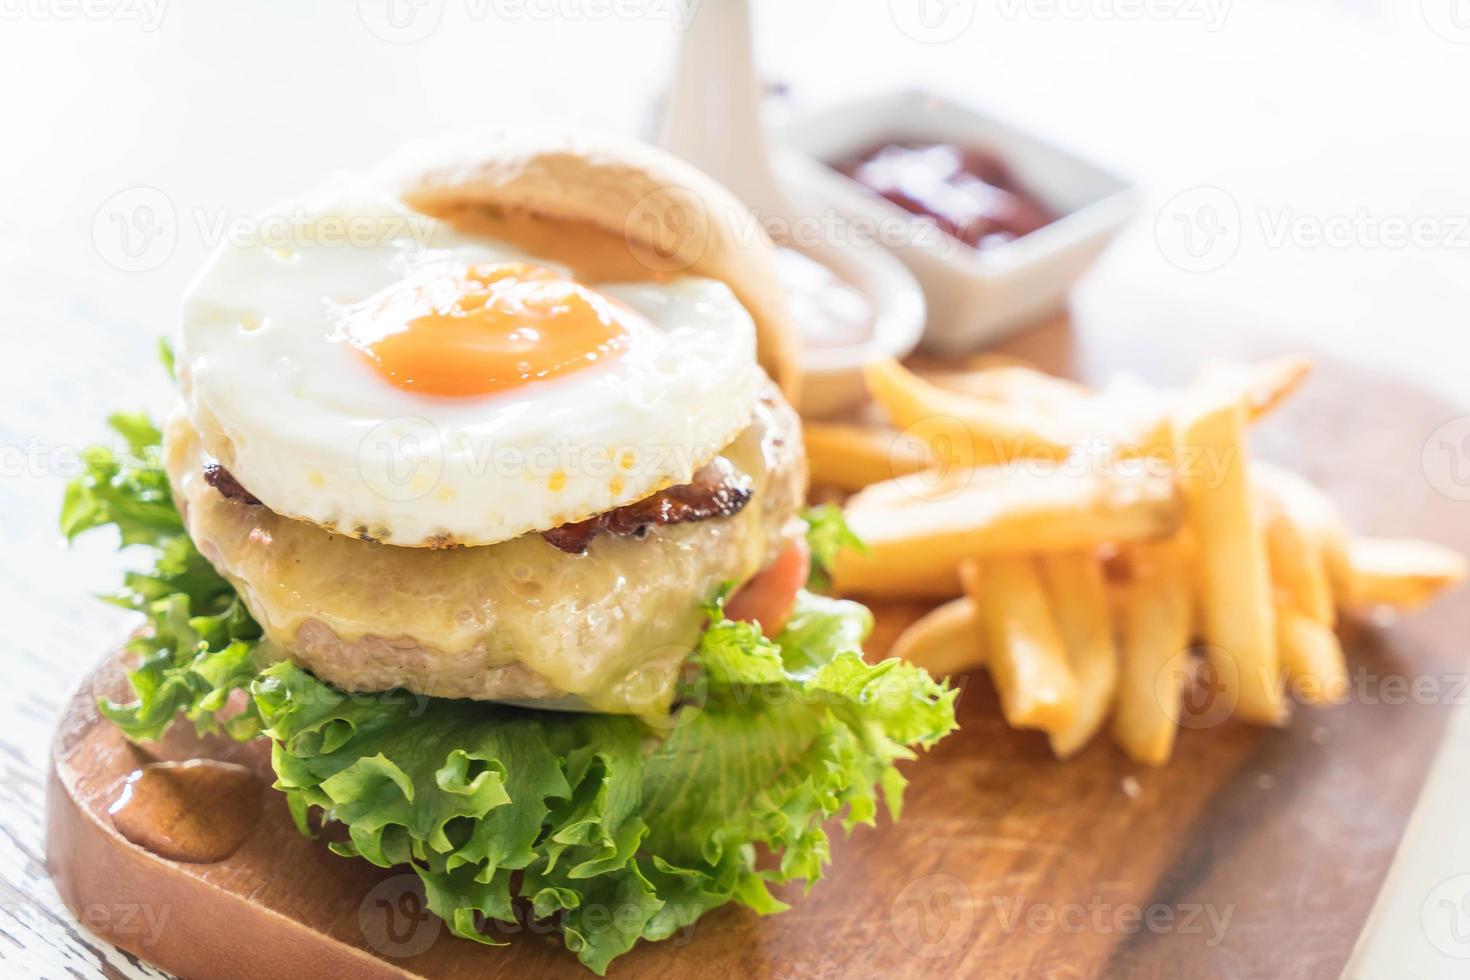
x,y
970,194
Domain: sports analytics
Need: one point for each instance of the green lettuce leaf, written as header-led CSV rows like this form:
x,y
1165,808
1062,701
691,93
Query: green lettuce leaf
x,y
619,829
627,832
198,644
827,533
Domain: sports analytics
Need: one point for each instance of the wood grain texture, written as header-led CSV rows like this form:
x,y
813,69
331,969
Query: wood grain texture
x,y
1255,853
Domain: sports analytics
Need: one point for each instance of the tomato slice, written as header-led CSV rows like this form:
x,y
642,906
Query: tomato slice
x,y
767,599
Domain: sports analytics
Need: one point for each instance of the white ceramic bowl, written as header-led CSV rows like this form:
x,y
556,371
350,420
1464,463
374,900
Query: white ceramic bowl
x,y
832,377
974,297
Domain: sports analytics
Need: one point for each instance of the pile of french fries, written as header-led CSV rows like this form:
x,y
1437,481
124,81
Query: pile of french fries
x,y
1095,551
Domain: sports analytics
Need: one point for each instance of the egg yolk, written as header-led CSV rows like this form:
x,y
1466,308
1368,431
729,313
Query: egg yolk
x,y
486,328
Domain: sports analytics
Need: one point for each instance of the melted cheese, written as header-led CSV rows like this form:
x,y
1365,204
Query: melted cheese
x,y
510,621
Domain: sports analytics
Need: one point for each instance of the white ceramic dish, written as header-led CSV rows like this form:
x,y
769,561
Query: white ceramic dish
x,y
715,79
832,377
974,297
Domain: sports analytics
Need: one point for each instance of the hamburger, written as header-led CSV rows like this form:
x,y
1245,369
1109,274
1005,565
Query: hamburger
x,y
483,503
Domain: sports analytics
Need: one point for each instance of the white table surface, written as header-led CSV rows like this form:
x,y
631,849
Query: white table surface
x,y
1343,116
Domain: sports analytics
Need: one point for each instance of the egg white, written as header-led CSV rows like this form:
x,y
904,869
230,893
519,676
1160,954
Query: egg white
x,y
304,423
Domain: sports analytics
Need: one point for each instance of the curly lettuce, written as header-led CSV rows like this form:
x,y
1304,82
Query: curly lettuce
x,y
198,645
618,830
827,534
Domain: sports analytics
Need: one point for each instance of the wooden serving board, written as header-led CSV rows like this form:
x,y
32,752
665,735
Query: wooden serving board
x,y
1254,853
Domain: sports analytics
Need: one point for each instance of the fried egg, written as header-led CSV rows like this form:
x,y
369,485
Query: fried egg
x,y
372,370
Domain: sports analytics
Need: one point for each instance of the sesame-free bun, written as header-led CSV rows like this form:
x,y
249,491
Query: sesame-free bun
x,y
670,217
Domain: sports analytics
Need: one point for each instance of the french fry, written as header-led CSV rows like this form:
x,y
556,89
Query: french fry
x,y
1265,386
931,584
1298,565
1186,552
947,640
1024,651
1311,654
1133,419
1016,385
1261,387
1155,631
974,431
1312,657
1399,573
1079,601
1313,513
987,503
850,457
920,533
1236,603
994,359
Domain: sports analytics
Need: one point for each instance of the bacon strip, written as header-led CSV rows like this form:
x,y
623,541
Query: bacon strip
x,y
716,491
224,481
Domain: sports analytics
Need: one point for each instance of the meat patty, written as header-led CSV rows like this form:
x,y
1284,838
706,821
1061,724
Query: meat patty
x,y
522,620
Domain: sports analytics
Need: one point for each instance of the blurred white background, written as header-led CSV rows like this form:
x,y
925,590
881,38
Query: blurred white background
x,y
1315,116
